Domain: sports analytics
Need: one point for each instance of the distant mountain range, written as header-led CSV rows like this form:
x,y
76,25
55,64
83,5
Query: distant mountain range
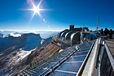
x,y
10,41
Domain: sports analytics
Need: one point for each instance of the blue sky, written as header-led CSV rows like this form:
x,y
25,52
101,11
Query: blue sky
x,y
60,14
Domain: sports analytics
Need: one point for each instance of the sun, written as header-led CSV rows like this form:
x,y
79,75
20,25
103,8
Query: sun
x,y
36,9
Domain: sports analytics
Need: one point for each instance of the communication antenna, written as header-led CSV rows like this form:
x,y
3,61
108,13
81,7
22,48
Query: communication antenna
x,y
97,26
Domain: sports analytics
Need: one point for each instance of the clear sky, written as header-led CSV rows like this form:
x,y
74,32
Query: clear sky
x,y
59,14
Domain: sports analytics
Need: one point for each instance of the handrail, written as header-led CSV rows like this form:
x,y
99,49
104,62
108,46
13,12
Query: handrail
x,y
79,73
89,69
90,66
109,55
94,59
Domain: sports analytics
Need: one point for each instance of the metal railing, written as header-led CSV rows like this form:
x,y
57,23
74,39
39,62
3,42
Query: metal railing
x,y
107,62
100,61
79,73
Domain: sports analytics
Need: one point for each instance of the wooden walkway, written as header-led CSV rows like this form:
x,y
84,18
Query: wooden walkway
x,y
110,43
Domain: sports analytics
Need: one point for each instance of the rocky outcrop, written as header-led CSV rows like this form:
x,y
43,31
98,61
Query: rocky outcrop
x,y
42,54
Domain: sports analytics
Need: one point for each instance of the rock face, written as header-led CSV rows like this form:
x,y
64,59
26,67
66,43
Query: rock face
x,y
25,41
43,54
1,35
31,41
10,43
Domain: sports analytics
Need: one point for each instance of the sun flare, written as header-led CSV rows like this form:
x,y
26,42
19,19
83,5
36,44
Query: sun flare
x,y
36,9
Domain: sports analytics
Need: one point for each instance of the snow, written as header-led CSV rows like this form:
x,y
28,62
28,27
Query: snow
x,y
19,56
42,41
15,35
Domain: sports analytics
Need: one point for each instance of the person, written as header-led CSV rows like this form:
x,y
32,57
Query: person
x,y
106,31
110,33
102,32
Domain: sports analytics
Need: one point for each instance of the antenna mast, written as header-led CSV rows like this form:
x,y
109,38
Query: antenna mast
x,y
97,26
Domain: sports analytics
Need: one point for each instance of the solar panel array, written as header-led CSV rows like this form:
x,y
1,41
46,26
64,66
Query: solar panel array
x,y
71,66
66,63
